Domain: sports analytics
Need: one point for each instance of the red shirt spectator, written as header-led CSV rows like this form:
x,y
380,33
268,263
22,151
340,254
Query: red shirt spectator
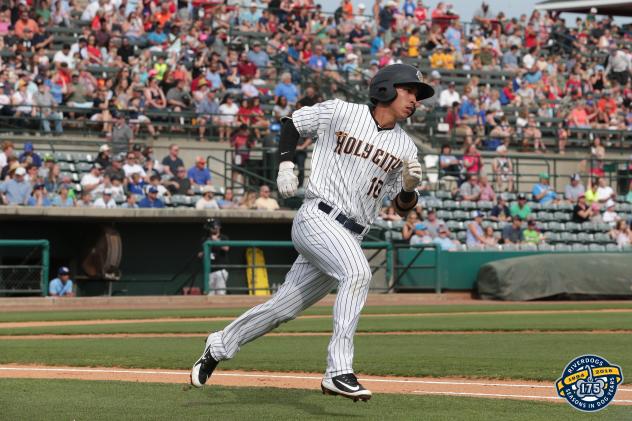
x,y
246,67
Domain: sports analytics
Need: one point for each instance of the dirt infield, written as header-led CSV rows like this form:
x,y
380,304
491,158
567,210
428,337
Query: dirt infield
x,y
525,390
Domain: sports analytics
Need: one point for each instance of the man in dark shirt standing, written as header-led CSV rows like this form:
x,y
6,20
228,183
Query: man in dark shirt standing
x,y
219,259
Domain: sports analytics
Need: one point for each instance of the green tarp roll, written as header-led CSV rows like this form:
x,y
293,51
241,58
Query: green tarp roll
x,y
547,275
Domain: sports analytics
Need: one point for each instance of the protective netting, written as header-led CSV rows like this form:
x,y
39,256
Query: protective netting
x,y
20,279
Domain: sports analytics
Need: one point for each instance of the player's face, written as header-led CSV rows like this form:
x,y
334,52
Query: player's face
x,y
405,103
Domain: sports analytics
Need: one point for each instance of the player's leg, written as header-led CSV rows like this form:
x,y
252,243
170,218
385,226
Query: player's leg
x,y
222,277
304,285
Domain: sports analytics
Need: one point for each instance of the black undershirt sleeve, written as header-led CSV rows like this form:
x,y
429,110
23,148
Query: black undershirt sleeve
x,y
288,141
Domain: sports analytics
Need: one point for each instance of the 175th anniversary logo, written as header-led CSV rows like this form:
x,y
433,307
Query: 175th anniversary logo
x,y
589,382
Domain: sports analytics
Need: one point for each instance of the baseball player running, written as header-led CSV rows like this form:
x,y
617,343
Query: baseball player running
x,y
360,156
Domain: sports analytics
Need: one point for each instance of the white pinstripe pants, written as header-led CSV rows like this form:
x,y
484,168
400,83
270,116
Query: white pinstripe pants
x,y
330,255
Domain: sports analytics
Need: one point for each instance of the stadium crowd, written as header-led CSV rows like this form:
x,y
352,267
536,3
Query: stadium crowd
x,y
232,70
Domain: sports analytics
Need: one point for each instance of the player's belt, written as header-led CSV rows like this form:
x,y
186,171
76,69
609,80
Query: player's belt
x,y
345,221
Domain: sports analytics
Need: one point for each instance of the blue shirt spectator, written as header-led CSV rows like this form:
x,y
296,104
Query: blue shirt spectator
x,y
286,88
30,153
258,56
250,16
199,174
17,190
542,191
38,197
317,62
62,285
151,200
534,77
467,109
453,36
377,44
157,37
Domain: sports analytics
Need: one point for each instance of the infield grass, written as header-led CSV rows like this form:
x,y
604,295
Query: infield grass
x,y
506,356
91,400
374,323
50,315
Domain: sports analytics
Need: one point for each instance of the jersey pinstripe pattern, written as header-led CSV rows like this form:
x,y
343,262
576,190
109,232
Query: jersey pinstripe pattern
x,y
351,157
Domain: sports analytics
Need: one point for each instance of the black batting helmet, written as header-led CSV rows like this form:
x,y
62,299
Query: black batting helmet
x,y
382,86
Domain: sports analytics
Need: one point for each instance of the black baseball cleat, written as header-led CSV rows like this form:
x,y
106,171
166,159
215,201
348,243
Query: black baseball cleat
x,y
345,385
204,367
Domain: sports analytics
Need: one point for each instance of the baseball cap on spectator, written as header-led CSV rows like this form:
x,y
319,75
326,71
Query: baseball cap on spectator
x,y
120,157
522,196
452,84
543,176
435,74
107,191
610,203
420,227
104,148
501,149
576,177
430,210
38,186
152,189
137,147
477,214
63,271
28,147
20,171
208,189
531,222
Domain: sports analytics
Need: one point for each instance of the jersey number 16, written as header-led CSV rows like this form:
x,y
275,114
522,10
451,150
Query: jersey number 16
x,y
375,188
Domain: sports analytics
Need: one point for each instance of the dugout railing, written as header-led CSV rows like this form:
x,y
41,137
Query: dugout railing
x,y
381,260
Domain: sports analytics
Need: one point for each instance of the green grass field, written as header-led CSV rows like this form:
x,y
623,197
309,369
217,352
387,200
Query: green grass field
x,y
519,352
31,399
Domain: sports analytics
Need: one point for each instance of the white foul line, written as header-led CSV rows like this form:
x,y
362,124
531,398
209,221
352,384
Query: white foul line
x,y
273,376
500,395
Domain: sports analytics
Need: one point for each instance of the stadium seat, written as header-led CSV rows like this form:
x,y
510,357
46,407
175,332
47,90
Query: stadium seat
x,y
596,247
510,247
534,206
545,247
382,224
556,226
589,227
485,205
393,236
454,225
562,247
562,216
449,204
573,226
553,237
442,194
398,225
566,207
462,215
445,215
585,237
568,237
468,205
579,247
461,235
528,247
602,237
612,247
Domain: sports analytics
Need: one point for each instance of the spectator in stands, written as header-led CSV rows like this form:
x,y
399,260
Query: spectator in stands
x,y
228,201
207,201
432,222
421,235
154,95
444,241
63,199
513,233
130,202
38,197
199,174
532,133
448,163
500,212
264,201
85,200
105,201
502,169
474,236
487,192
532,234
91,180
408,229
122,134
609,215
619,65
29,156
178,98
582,211
449,96
154,181
104,157
542,192
79,95
45,108
179,183
520,207
501,133
136,184
286,89
574,189
510,58
62,285
457,125
151,200
115,170
258,56
489,237
172,161
470,189
604,191
472,159
227,119
8,150
248,200
621,234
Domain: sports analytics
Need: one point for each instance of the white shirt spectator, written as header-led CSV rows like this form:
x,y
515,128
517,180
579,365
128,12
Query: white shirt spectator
x,y
100,203
610,217
604,193
249,90
528,61
135,168
447,98
90,11
202,203
89,179
60,57
228,113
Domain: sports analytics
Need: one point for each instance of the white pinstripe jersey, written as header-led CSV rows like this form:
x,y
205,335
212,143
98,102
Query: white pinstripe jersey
x,y
354,165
